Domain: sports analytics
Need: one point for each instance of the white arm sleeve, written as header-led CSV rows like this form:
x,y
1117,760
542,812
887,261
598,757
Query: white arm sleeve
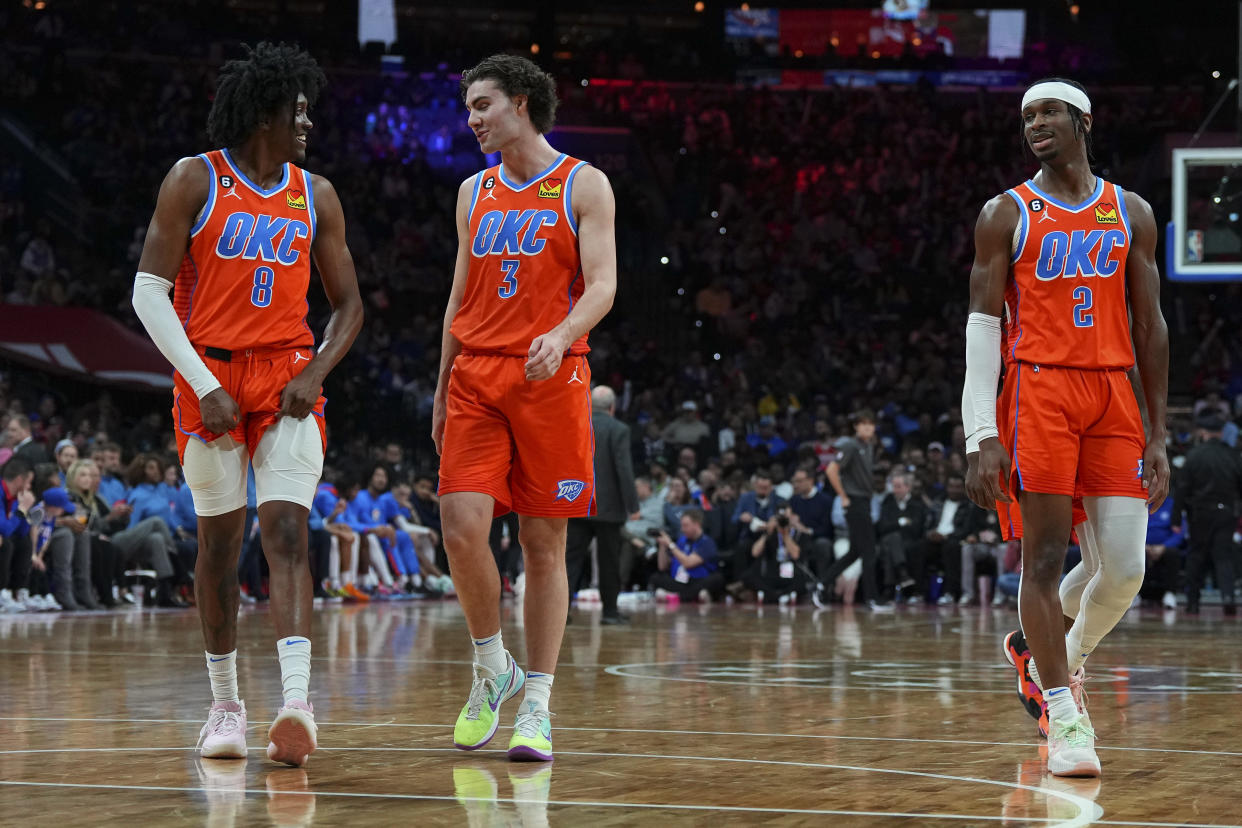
x,y
411,528
983,364
155,311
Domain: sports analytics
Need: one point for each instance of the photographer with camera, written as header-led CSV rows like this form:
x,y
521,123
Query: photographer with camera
x,y
689,568
777,572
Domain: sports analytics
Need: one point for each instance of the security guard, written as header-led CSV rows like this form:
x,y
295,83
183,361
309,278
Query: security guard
x,y
1208,492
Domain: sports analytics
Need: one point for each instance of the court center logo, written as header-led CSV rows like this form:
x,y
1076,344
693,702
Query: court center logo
x,y
569,489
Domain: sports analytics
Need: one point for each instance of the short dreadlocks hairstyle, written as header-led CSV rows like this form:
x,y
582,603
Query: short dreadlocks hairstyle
x,y
1075,115
518,76
258,87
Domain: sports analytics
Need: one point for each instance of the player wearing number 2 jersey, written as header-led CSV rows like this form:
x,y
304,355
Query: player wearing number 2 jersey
x,y
536,270
237,229
1067,259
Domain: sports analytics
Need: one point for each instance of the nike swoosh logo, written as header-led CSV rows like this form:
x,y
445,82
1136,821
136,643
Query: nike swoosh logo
x,y
214,660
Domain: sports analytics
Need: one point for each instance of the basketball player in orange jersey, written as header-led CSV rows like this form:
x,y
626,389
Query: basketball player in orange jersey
x,y
237,228
536,270
1068,259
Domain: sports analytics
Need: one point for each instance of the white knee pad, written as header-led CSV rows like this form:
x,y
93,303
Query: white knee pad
x,y
289,462
216,475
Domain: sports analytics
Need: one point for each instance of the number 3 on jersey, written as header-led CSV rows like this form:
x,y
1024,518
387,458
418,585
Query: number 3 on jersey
x,y
264,279
508,285
1083,317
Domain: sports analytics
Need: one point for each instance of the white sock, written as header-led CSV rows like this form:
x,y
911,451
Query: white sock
x,y
1061,707
347,577
295,654
538,690
222,669
490,653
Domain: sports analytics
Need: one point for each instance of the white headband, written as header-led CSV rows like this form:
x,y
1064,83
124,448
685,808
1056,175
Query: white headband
x,y
1060,91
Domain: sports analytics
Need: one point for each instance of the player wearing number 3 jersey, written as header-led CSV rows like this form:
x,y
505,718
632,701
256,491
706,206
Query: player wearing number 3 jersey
x,y
1064,291
237,228
536,270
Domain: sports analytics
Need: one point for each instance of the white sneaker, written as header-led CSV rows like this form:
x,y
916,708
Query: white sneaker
x,y
945,600
224,735
966,600
1169,601
705,597
998,600
293,737
1071,748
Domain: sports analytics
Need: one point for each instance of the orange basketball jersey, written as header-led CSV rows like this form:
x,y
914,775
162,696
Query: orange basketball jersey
x,y
243,282
525,271
1065,303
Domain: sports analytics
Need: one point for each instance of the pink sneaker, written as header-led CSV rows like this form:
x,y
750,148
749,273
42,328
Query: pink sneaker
x,y
291,739
224,735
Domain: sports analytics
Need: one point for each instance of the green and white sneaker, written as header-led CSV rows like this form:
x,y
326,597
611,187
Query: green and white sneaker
x,y
532,736
1071,748
477,722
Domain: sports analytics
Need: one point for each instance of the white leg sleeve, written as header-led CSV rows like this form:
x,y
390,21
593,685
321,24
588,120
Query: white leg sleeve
x,y
1073,584
1121,533
379,564
289,462
216,475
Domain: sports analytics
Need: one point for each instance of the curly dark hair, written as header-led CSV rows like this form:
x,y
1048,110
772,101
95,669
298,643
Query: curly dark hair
x,y
259,87
1075,115
518,76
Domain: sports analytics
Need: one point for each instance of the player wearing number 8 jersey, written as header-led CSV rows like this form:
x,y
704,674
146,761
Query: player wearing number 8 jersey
x,y
536,270
1067,259
237,228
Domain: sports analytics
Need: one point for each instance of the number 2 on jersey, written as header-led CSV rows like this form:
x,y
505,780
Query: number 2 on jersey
x,y
264,279
1083,317
508,285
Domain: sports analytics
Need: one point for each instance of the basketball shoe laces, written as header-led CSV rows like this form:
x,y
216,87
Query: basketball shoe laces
x,y
1078,690
220,723
480,689
1076,734
530,725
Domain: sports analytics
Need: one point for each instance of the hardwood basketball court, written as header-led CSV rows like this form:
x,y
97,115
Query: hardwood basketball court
x,y
695,716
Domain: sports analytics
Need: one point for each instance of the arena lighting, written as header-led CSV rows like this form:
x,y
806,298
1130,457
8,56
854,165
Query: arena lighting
x,y
724,230
746,7
534,48
698,7
664,260
698,323
681,291
1215,73
585,82
716,357
715,214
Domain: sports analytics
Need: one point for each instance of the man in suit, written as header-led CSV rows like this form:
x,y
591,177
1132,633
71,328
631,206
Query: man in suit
x,y
616,499
21,438
903,517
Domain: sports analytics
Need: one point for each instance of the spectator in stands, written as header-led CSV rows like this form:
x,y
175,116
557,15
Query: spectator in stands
x,y
981,549
83,489
112,488
22,441
148,538
676,503
427,503
66,456
16,503
686,430
637,537
1166,544
1208,492
689,567
952,522
810,512
718,519
766,437
899,533
67,550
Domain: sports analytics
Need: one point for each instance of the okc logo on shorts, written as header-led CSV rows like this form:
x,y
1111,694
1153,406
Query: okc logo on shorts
x,y
569,489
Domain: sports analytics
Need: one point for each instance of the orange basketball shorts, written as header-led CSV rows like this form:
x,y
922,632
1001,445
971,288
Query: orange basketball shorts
x,y
527,444
1071,431
255,380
